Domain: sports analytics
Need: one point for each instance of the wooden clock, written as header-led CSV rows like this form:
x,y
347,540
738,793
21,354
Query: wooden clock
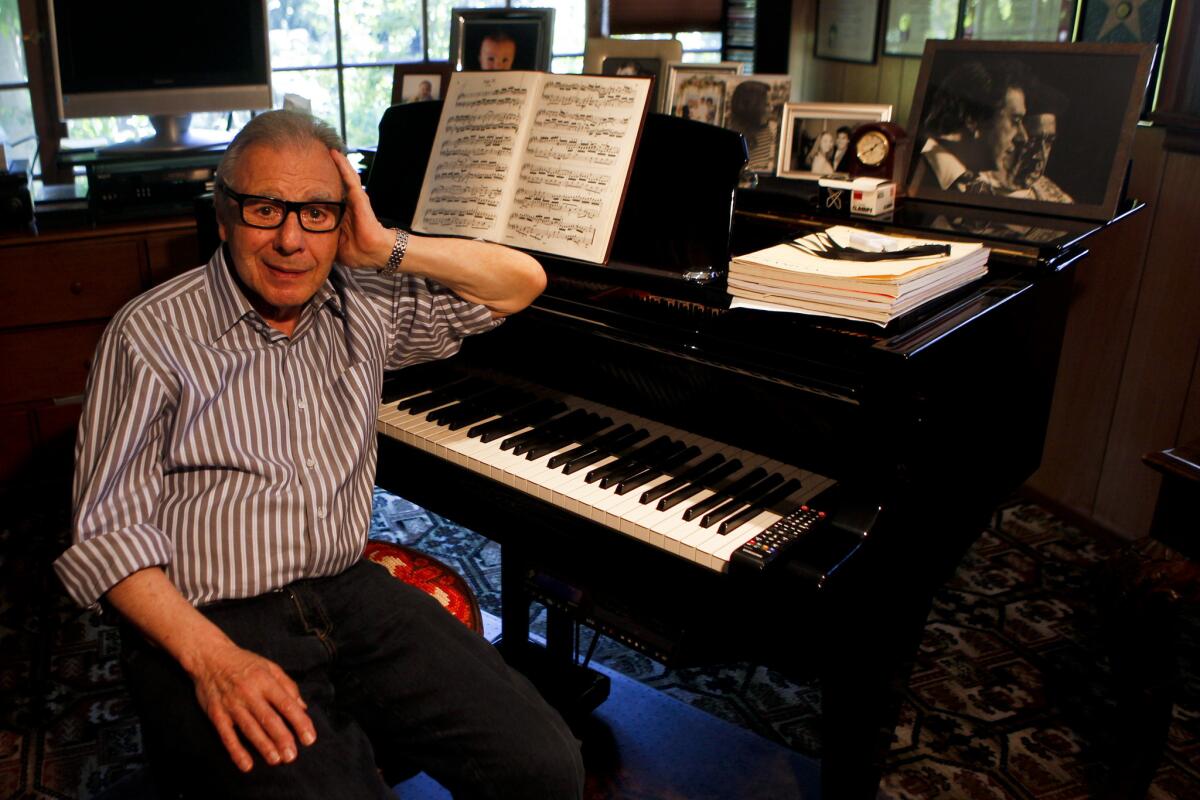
x,y
877,150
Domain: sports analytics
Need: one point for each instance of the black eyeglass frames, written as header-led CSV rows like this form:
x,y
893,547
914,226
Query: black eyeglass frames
x,y
270,212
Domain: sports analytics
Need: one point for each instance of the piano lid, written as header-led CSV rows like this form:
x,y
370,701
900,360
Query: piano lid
x,y
678,212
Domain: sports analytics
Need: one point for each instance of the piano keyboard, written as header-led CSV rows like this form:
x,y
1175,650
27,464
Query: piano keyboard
x,y
683,493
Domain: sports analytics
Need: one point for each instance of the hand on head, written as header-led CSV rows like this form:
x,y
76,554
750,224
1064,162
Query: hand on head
x,y
363,242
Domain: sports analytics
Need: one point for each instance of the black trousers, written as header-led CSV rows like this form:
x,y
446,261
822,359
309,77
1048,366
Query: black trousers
x,y
383,668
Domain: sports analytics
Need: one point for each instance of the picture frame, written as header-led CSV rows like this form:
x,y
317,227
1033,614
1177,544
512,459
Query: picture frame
x,y
754,108
408,81
605,56
697,91
805,126
910,23
1017,20
847,30
516,38
1053,137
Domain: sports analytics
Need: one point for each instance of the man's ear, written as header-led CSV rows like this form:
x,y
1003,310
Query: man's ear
x,y
221,224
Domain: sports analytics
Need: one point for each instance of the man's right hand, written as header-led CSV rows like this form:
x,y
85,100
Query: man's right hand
x,y
242,692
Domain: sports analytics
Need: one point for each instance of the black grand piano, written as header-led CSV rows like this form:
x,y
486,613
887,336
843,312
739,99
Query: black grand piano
x,y
904,437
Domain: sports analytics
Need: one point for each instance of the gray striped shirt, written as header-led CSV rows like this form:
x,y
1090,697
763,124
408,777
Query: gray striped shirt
x,y
233,456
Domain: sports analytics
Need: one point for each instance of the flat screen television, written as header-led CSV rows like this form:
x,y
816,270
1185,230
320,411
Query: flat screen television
x,y
165,60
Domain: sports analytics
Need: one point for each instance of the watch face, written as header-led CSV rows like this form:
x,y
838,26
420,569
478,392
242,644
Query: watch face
x,y
873,148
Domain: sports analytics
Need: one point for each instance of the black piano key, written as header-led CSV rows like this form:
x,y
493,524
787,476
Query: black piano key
x,y
599,454
532,414
693,487
694,473
713,500
756,508
742,498
518,442
438,393
500,405
589,426
410,382
447,394
447,413
565,429
626,460
640,461
598,440
641,478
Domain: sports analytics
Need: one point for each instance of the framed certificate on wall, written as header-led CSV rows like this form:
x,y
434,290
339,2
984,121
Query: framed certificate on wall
x,y
847,30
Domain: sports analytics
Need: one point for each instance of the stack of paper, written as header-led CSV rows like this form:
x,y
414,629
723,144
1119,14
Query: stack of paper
x,y
790,277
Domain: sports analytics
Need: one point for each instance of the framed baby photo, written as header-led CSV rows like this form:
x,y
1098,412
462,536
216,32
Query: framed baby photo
x,y
1035,127
501,38
815,137
414,83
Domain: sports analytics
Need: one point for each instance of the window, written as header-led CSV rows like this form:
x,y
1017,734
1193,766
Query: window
x,y
338,55
16,111
699,47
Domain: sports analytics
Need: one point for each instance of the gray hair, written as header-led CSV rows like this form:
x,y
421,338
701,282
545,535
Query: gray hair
x,y
278,129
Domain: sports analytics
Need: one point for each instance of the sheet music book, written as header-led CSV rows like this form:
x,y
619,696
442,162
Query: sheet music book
x,y
785,277
533,160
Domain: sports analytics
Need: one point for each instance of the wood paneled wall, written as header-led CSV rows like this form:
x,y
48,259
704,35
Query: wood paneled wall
x,y
1129,376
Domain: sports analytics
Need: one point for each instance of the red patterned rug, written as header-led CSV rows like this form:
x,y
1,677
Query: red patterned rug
x,y
1010,696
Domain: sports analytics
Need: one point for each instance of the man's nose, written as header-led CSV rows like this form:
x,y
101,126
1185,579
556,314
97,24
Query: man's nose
x,y
289,236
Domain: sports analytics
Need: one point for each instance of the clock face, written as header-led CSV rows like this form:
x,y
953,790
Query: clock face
x,y
872,148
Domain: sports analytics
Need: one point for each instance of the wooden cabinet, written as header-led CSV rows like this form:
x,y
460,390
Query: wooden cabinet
x,y
59,290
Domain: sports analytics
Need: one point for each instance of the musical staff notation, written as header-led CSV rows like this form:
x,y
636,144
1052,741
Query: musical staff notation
x,y
543,228
572,148
544,175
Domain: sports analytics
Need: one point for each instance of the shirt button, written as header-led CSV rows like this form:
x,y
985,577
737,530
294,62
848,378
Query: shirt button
x,y
321,511
300,402
312,462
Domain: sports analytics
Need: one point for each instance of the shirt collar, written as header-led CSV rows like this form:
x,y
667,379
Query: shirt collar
x,y
946,166
230,305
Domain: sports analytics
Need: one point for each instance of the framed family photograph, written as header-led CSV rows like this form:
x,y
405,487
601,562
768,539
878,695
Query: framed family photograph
x,y
754,107
697,91
413,83
501,38
646,57
1034,127
911,22
816,136
847,30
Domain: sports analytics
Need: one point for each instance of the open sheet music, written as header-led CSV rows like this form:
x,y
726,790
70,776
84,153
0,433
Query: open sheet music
x,y
533,160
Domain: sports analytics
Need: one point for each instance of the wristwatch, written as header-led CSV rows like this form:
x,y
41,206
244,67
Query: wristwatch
x,y
399,248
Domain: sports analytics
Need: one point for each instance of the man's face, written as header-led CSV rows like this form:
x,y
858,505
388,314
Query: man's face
x,y
497,55
281,268
843,140
1007,135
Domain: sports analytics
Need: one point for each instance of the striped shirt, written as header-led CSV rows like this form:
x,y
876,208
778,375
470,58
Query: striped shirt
x,y
235,457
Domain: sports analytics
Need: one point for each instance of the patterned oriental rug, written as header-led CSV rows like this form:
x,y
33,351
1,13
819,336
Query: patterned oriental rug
x,y
1010,696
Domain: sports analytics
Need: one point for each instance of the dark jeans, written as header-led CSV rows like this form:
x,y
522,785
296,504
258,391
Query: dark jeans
x,y
383,668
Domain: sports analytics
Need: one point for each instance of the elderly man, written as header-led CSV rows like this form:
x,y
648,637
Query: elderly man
x,y
225,464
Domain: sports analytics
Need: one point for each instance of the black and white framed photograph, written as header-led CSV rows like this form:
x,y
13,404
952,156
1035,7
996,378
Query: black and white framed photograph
x,y
697,91
501,38
847,30
648,57
1035,127
815,137
416,82
911,22
1018,20
754,108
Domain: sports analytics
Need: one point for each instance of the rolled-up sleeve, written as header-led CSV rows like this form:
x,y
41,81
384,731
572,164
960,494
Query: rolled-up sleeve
x,y
118,474
430,321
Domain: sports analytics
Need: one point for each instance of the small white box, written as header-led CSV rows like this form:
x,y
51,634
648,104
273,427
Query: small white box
x,y
872,196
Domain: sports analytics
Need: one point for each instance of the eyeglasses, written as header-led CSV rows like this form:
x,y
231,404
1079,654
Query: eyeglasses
x,y
270,212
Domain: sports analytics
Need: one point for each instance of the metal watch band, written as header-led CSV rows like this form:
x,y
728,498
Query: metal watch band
x,y
398,250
